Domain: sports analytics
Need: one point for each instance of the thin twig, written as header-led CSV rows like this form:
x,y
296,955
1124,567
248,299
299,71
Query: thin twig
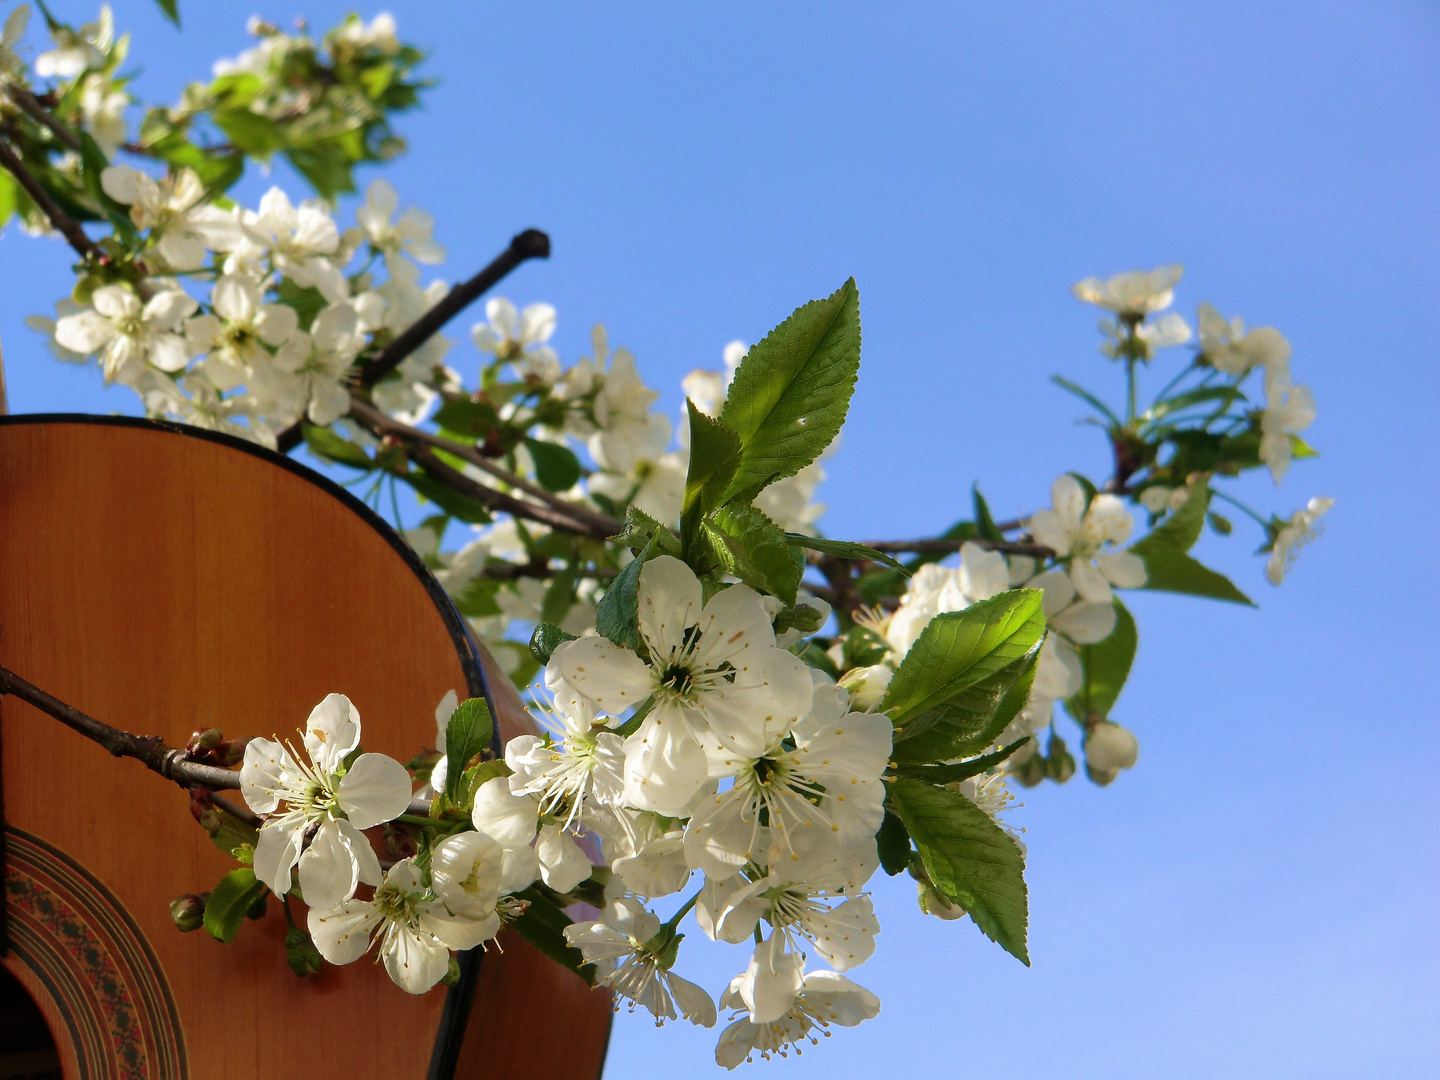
x,y
31,106
67,226
380,424
530,244
150,750
492,499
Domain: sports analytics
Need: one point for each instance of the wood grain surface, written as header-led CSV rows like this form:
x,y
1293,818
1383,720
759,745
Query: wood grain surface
x,y
165,582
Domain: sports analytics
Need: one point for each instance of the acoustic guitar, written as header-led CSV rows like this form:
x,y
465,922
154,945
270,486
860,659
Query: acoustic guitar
x,y
166,579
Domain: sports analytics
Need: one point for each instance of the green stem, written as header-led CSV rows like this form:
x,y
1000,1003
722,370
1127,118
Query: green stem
x,y
1171,385
632,725
1241,506
674,920
1129,390
425,822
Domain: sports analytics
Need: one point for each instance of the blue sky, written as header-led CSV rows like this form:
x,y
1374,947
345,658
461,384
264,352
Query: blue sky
x,y
1258,898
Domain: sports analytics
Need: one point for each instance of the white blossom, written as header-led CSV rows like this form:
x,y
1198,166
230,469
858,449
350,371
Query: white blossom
x,y
1135,293
297,241
519,337
824,998
171,209
102,112
1109,748
1234,350
616,946
12,68
713,672
1151,335
234,336
127,333
627,428
76,50
1293,535
1288,410
412,233
517,824
934,589
1077,534
414,930
316,363
324,794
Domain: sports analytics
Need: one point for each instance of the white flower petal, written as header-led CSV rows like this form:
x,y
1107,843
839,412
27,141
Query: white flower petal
x,y
615,678
343,935
376,789
332,732
510,820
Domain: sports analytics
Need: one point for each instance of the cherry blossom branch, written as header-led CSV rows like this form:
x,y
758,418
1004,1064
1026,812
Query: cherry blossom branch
x,y
380,424
530,244
150,750
941,544
30,105
67,226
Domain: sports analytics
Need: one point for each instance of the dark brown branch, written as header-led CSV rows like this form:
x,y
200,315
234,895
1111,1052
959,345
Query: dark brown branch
x,y
380,424
150,750
530,244
30,105
67,226
492,499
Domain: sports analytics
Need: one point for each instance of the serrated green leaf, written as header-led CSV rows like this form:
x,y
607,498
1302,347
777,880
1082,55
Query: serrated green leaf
x,y
228,903
960,770
959,649
1168,569
970,860
746,543
468,732
863,647
325,444
844,549
617,614
463,416
1105,666
546,638
556,467
641,528
714,457
543,926
790,394
971,720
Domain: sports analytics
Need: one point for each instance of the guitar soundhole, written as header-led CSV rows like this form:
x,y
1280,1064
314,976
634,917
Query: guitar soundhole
x,y
27,1049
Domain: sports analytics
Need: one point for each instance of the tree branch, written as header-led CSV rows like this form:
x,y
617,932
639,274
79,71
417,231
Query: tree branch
x,y
30,105
380,424
150,750
934,546
67,226
530,244
492,499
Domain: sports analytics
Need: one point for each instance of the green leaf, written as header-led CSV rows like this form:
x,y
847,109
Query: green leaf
x,y
844,549
545,639
325,444
258,136
790,394
971,861
466,417
714,457
617,614
477,599
971,720
307,302
801,617
1300,449
1198,396
231,835
1169,569
170,9
893,843
984,523
959,649
1182,527
9,197
960,770
226,908
449,500
468,732
640,529
1106,666
559,597
556,467
543,926
746,543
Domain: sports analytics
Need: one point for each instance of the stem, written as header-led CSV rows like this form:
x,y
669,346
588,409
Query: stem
x,y
416,819
30,105
940,544
1172,384
150,750
1241,506
67,226
674,920
380,424
1129,390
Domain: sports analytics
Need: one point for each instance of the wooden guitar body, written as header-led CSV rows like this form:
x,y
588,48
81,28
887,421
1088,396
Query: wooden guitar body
x,y
164,580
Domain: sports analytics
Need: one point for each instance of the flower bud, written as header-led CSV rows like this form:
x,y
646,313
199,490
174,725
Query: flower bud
x,y
932,903
188,912
866,685
1060,765
300,952
1108,749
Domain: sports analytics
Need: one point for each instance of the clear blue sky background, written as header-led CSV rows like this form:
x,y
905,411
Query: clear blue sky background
x,y
1259,897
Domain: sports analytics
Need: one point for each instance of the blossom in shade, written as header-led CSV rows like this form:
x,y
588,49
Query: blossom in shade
x,y
1293,535
1234,350
172,209
1288,409
1109,748
519,337
411,234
